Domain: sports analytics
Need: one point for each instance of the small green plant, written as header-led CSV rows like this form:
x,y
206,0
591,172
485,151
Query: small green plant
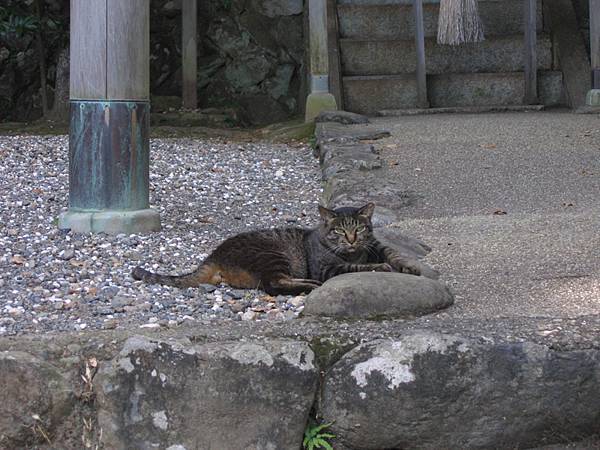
x,y
314,438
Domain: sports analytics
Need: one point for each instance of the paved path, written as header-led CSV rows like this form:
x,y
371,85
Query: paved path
x,y
510,204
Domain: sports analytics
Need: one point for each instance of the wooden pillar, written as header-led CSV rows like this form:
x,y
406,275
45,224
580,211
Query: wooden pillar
x,y
189,50
530,56
595,42
422,101
319,99
110,116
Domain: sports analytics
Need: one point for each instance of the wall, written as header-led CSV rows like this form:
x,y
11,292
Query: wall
x,y
250,57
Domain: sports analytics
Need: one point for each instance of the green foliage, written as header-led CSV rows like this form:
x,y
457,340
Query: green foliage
x,y
19,21
17,25
314,438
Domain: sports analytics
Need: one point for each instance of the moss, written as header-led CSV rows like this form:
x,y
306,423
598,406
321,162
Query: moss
x,y
329,349
294,130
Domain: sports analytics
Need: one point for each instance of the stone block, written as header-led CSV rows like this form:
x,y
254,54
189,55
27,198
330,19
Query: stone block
x,y
228,395
370,94
391,57
395,20
318,102
446,391
35,398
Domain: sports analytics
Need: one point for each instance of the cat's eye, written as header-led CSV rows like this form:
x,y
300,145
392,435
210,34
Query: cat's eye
x,y
338,231
361,228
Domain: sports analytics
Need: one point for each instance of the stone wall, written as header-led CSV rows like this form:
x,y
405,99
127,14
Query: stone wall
x,y
250,57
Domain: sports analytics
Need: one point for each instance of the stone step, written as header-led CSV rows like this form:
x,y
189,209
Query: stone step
x,y
390,57
394,19
370,94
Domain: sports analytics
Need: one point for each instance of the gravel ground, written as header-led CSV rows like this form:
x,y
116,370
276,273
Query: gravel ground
x,y
205,191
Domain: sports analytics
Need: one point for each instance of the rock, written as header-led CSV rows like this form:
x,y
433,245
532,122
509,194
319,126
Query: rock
x,y
335,132
371,295
297,301
275,314
274,8
279,85
444,391
336,159
249,315
120,301
34,396
344,117
228,395
405,245
66,254
247,71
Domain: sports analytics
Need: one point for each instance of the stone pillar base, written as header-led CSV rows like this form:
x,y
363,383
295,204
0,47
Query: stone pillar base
x,y
317,102
593,97
110,222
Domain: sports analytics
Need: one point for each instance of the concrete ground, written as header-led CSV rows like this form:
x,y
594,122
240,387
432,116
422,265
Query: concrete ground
x,y
510,204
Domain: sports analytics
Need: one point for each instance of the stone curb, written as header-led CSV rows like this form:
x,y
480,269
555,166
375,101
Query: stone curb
x,y
243,385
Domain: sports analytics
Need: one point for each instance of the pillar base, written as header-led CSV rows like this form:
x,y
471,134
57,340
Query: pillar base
x,y
317,102
110,222
593,97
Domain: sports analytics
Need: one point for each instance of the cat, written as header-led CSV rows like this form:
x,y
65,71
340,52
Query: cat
x,y
291,261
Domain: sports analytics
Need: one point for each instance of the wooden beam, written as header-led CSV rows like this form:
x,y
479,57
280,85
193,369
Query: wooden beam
x,y
335,71
530,56
189,53
88,50
422,101
319,58
595,41
128,50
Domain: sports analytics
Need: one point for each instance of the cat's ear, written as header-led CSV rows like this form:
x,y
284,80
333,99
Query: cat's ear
x,y
326,214
367,210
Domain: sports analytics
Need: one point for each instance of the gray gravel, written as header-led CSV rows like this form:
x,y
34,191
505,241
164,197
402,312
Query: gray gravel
x,y
205,191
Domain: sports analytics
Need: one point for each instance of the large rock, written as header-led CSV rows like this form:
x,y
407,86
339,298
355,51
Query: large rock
x,y
443,391
35,398
403,244
274,8
237,395
373,295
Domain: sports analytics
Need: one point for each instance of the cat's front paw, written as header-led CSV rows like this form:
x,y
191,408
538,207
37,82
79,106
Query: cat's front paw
x,y
384,267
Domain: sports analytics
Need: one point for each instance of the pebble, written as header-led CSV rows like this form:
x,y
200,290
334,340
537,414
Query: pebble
x,y
205,191
249,315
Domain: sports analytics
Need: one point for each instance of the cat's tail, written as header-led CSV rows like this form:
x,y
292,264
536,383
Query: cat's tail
x,y
204,274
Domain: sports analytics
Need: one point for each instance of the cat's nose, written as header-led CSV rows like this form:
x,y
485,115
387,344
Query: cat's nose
x,y
351,237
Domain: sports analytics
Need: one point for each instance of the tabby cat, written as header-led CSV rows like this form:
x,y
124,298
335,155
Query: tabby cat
x,y
296,260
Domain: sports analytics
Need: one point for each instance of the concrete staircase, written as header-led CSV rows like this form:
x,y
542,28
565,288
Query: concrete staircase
x,y
378,58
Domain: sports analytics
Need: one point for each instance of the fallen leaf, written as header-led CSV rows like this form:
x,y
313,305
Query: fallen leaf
x,y
499,212
17,259
568,204
488,146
